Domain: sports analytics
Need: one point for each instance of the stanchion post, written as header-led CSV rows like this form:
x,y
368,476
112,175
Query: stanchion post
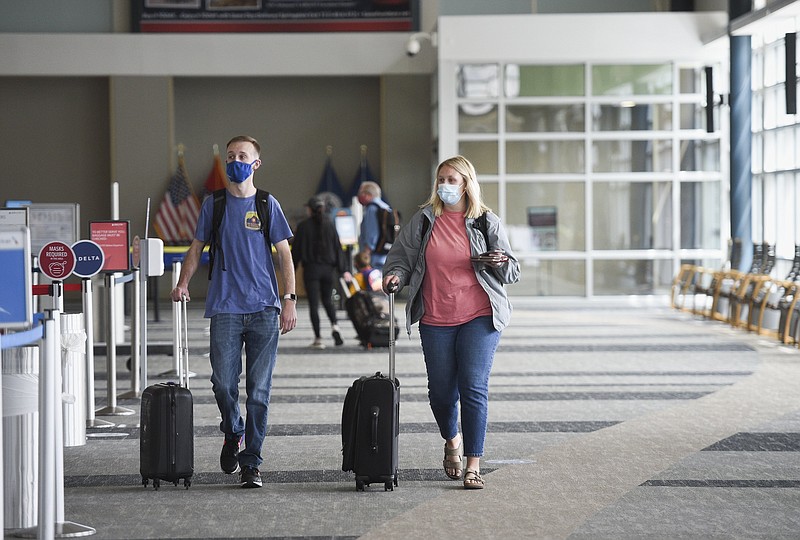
x,y
143,331
88,323
111,354
47,433
136,340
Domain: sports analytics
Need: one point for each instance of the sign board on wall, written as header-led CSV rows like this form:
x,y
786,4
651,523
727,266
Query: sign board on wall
x,y
114,239
275,16
16,309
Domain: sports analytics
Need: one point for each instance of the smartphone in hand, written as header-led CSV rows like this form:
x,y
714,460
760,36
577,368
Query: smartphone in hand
x,y
495,257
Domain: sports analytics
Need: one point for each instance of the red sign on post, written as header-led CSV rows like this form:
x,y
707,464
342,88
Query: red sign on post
x,y
113,237
56,260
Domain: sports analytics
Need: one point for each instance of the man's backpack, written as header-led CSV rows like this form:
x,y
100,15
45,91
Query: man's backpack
x,y
214,245
389,227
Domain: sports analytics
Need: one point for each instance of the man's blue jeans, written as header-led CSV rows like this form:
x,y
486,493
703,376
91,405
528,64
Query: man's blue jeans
x,y
459,360
258,332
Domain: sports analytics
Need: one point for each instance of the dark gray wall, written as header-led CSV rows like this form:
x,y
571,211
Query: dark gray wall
x,y
294,120
54,143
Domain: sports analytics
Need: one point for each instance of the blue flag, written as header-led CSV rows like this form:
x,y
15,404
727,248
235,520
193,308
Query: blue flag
x,y
364,174
330,182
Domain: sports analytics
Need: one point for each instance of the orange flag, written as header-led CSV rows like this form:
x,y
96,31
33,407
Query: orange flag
x,y
217,179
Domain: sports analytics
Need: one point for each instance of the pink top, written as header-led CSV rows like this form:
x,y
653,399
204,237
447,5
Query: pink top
x,y
451,293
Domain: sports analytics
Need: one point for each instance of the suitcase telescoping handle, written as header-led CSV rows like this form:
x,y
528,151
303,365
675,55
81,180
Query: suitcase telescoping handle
x,y
391,288
183,362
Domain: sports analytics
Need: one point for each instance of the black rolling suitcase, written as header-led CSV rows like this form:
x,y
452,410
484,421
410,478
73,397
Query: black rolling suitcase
x,y
166,449
369,313
371,425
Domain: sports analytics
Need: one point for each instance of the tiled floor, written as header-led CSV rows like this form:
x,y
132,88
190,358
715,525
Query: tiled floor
x,y
607,420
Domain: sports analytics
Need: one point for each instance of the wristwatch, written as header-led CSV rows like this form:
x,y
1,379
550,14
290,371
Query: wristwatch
x,y
290,296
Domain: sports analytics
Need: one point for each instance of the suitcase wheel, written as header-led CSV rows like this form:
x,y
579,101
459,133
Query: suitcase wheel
x,y
145,481
156,483
359,485
187,483
388,486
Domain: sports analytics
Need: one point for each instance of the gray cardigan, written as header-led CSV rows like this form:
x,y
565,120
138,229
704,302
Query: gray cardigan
x,y
406,260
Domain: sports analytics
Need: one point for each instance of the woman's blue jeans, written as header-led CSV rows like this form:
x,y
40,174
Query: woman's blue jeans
x,y
458,360
258,333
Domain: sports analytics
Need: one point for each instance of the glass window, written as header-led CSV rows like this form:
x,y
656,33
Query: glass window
x,y
490,194
758,205
632,277
773,64
482,154
544,157
632,117
795,215
654,155
757,155
544,118
632,215
700,205
477,118
770,151
702,155
785,157
796,146
770,97
691,81
693,116
546,80
550,278
627,80
757,116
478,81
546,216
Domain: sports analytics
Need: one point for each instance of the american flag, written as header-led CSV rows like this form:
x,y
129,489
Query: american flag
x,y
177,216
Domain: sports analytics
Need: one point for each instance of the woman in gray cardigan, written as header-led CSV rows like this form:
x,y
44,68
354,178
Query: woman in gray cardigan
x,y
455,257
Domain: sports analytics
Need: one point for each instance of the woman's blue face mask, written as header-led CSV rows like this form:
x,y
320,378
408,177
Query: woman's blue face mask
x,y
239,171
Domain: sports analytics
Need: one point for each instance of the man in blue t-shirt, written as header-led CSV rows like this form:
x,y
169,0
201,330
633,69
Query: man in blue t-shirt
x,y
243,306
369,195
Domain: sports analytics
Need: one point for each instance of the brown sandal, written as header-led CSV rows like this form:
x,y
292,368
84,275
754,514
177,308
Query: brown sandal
x,y
450,461
473,480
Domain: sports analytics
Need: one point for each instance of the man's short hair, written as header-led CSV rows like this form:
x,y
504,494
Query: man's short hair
x,y
246,138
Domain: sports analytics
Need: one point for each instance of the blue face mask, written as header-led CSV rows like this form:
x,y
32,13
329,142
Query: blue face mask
x,y
449,194
239,171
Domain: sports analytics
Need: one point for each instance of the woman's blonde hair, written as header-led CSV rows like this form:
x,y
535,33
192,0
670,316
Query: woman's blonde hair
x,y
472,189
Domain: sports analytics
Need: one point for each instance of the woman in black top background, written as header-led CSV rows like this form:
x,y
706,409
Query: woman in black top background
x,y
317,247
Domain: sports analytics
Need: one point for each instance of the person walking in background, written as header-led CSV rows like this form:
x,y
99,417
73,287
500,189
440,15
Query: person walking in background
x,y
455,257
243,304
369,195
317,247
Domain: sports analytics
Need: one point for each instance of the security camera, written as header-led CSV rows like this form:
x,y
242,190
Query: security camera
x,y
414,43
413,46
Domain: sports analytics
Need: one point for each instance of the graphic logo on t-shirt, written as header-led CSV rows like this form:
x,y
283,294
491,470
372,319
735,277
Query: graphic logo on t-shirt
x,y
251,221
